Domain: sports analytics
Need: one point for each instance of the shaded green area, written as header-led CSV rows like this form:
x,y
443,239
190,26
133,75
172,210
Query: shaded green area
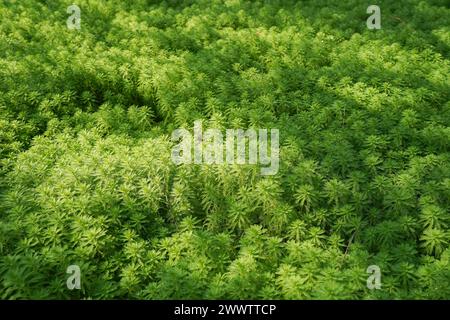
x,y
86,176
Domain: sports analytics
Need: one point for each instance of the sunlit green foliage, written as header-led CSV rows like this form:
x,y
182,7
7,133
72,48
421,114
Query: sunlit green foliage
x,y
86,176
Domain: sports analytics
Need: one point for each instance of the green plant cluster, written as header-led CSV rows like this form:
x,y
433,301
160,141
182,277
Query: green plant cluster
x,y
86,176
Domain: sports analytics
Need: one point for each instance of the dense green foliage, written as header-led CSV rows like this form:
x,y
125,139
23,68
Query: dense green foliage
x,y
86,176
